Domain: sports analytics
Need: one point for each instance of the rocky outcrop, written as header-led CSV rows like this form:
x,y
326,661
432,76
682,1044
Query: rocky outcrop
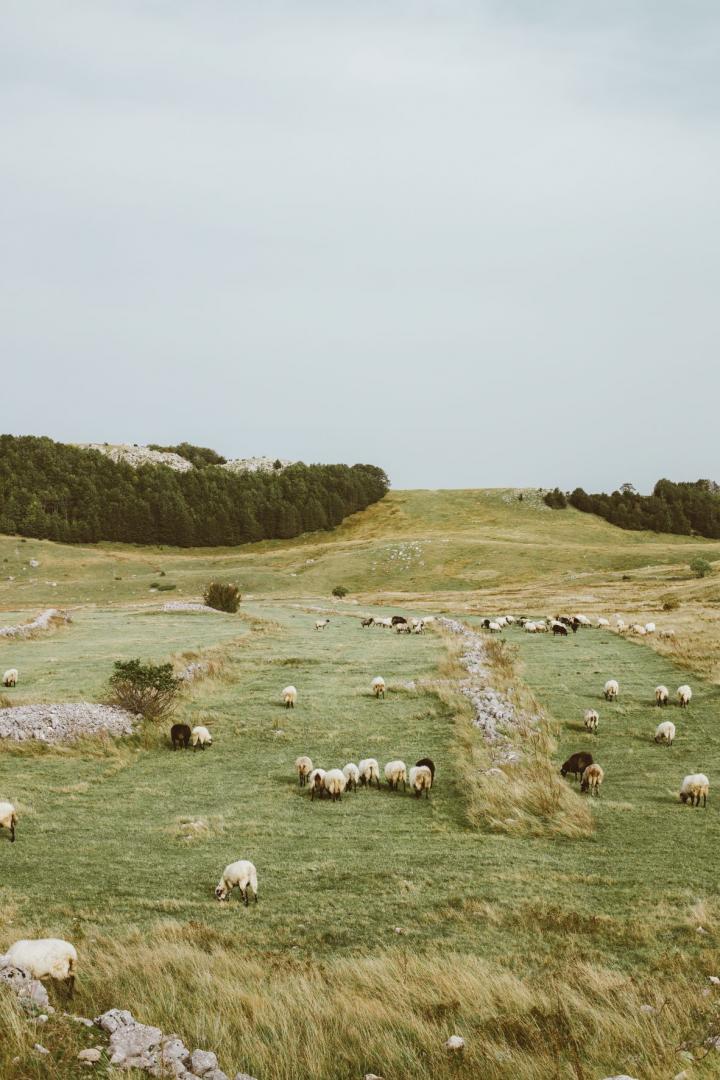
x,y
254,464
139,455
501,723
43,621
63,723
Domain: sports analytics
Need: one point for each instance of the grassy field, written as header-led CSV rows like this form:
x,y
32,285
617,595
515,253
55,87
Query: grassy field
x,y
384,923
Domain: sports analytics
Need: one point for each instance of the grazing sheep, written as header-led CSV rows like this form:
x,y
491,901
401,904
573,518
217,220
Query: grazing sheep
x,y
684,694
667,634
582,620
315,780
378,686
495,628
180,736
429,764
665,732
386,624
289,696
542,628
529,627
695,787
576,764
200,736
8,819
602,623
352,776
649,627
397,620
592,778
611,689
334,783
559,630
303,767
367,622
240,875
44,958
638,630
418,626
10,677
421,780
403,628
661,695
369,770
395,774
509,619
592,718
320,624
620,625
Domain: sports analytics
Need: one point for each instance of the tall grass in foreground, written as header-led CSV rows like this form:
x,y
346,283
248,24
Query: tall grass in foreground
x,y
526,798
295,1019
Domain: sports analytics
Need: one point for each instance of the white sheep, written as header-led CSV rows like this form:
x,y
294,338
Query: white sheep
x,y
501,621
320,624
395,774
10,677
649,627
289,696
665,732
620,625
529,627
200,736
583,620
611,690
334,783
418,626
238,875
494,627
667,633
352,776
541,628
592,778
315,780
602,623
684,694
385,623
662,695
695,787
638,630
378,686
8,819
421,780
592,718
44,958
369,770
509,619
303,767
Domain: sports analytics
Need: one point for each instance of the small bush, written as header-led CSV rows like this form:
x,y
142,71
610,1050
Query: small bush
x,y
161,587
148,689
555,499
670,603
340,591
222,596
700,568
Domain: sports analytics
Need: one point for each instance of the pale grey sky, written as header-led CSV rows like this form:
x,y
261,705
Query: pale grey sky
x,y
474,242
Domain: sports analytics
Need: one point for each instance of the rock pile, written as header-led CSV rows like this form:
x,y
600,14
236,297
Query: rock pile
x,y
42,622
63,723
187,605
501,723
254,464
131,1045
140,455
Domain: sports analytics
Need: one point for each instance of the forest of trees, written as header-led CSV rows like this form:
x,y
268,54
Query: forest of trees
x,y
54,491
685,508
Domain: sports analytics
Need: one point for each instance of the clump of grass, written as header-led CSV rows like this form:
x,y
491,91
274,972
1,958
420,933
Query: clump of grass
x,y
222,596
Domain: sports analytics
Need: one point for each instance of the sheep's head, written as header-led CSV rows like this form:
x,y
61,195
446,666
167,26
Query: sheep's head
x,y
221,893
683,796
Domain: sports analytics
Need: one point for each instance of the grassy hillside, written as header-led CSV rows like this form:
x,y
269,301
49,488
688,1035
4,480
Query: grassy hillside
x,y
385,923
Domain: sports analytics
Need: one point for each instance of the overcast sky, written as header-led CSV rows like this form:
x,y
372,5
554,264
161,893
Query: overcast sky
x,y
476,243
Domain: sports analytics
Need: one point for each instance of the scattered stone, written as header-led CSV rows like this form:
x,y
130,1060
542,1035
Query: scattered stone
x,y
714,980
41,1049
455,1043
90,1056
368,1076
203,1061
63,722
649,1010
186,605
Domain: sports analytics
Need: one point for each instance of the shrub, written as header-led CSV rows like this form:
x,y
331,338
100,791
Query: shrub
x,y
340,591
700,568
148,689
670,603
555,499
222,596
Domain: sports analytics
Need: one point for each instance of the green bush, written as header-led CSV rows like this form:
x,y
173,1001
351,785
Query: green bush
x,y
670,603
148,689
340,591
700,567
555,499
222,596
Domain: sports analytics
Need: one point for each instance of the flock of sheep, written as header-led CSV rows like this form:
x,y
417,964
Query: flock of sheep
x,y
333,782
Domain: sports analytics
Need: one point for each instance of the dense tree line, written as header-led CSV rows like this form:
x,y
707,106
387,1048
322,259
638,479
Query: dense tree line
x,y
685,508
53,491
